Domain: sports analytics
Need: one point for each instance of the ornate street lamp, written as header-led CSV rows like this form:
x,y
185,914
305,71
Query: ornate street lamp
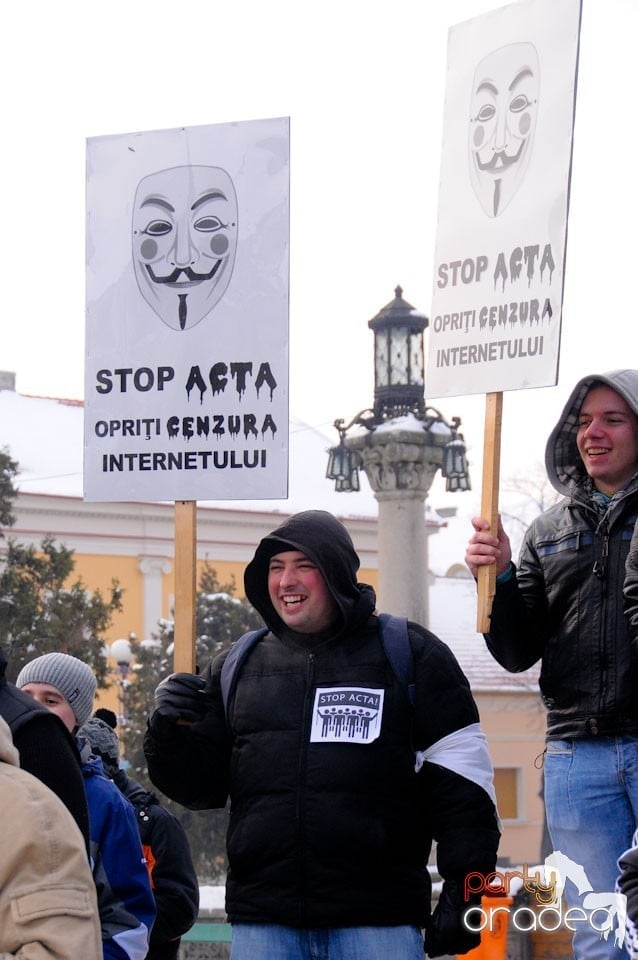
x,y
400,444
399,379
343,463
454,467
399,390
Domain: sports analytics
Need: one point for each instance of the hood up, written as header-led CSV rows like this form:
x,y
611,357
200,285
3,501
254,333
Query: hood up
x,y
564,466
325,541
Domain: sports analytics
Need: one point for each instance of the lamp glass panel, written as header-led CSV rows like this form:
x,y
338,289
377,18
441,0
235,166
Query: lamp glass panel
x,y
399,366
417,369
381,358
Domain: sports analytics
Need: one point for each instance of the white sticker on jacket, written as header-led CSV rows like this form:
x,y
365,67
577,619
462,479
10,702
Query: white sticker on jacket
x,y
346,715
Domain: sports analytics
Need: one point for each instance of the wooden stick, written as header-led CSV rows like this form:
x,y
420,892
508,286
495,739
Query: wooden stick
x,y
185,585
489,502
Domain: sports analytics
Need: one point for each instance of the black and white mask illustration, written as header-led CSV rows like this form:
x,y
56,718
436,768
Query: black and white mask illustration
x,y
503,114
184,241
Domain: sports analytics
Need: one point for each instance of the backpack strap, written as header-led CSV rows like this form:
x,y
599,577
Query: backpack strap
x,y
396,644
236,656
394,637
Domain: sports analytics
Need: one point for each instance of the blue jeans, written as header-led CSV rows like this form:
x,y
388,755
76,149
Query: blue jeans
x,y
591,802
268,941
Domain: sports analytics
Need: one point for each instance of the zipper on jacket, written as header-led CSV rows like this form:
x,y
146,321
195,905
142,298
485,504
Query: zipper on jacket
x,y
307,708
600,565
600,571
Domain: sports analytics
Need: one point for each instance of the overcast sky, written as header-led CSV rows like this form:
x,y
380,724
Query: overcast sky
x,y
363,83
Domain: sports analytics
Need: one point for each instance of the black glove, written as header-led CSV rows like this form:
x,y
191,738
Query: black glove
x,y
181,696
446,932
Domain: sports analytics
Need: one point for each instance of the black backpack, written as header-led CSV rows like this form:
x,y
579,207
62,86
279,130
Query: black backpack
x,y
394,637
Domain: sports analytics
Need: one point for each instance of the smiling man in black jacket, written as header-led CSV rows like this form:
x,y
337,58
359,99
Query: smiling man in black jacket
x,y
563,605
338,783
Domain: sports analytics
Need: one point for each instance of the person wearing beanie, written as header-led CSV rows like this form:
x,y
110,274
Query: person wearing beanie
x,y
340,770
58,679
165,845
109,717
66,686
46,748
563,605
104,742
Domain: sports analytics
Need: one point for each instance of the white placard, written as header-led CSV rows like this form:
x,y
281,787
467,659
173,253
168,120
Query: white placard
x,y
346,715
499,267
186,386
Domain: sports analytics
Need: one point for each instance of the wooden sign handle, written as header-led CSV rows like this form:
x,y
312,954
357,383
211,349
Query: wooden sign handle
x,y
185,585
489,502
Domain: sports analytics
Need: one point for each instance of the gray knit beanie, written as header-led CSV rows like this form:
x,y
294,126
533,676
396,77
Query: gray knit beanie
x,y
104,744
73,678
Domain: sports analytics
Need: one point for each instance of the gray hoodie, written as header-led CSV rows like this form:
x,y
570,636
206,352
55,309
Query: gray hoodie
x,y
564,466
564,607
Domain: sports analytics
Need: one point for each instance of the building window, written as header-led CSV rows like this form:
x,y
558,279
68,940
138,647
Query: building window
x,y
506,784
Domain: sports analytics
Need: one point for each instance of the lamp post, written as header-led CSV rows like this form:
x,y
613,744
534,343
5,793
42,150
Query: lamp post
x,y
400,443
121,652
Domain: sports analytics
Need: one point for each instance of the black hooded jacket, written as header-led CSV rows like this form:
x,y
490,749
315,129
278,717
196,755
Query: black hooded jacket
x,y
330,824
173,877
564,606
631,593
325,541
46,748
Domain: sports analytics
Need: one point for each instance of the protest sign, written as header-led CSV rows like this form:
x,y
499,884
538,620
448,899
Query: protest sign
x,y
503,199
499,271
186,386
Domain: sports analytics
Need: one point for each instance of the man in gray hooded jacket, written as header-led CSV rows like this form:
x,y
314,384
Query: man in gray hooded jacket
x,y
563,605
338,783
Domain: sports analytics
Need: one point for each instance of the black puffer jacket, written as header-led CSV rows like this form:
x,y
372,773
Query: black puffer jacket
x,y
334,833
168,857
565,603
